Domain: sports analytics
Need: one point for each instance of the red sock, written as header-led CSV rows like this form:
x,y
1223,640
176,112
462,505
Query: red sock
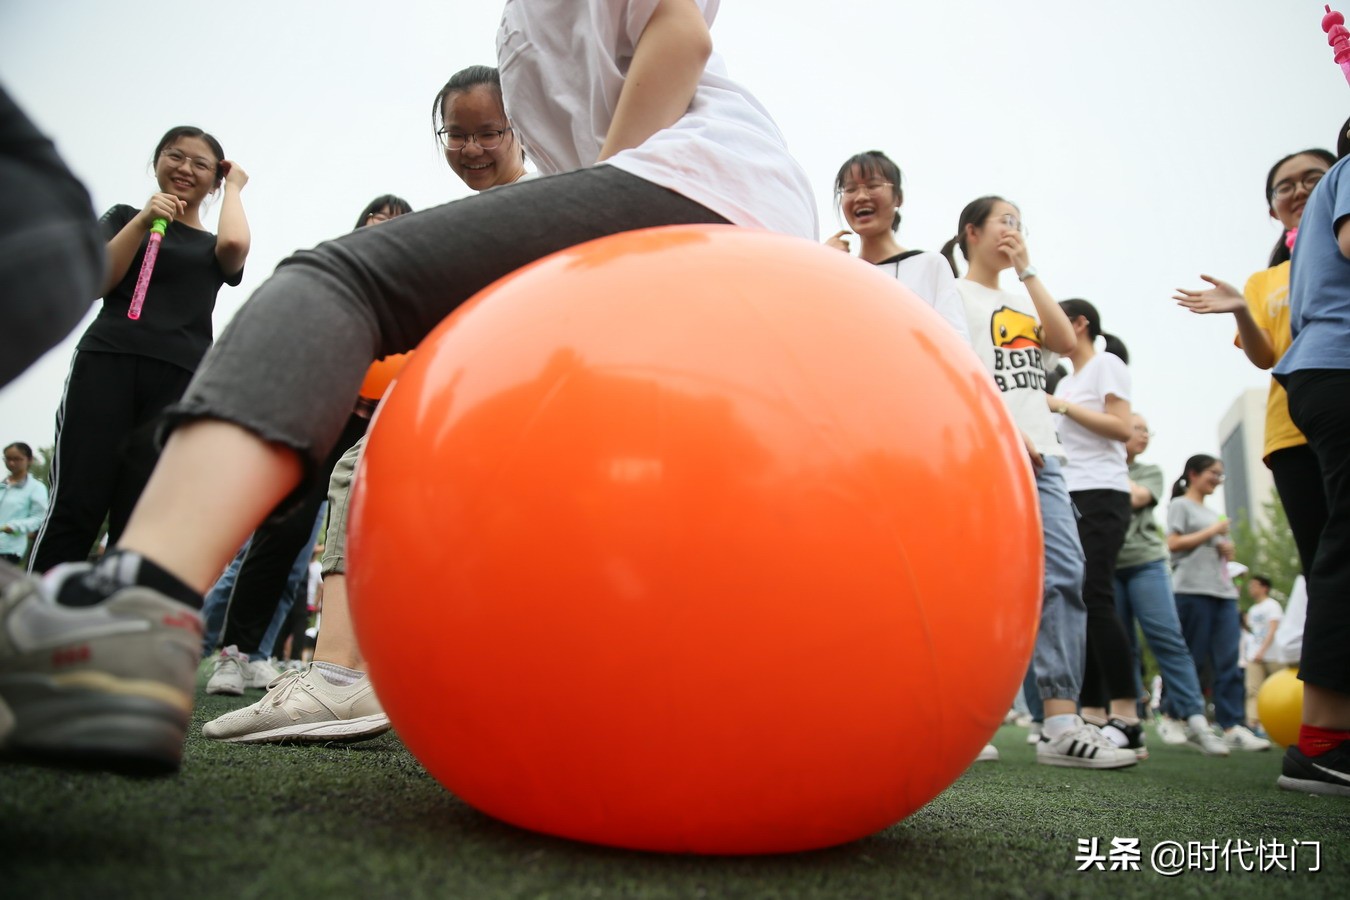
x,y
1314,741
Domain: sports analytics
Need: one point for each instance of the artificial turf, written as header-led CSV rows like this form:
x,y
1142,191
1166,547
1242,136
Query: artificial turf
x,y
366,821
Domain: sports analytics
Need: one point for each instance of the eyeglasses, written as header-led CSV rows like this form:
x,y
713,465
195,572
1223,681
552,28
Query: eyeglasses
x,y
486,140
1015,224
199,164
1140,429
378,217
1308,179
871,188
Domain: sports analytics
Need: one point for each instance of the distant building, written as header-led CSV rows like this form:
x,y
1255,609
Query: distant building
x,y
1247,481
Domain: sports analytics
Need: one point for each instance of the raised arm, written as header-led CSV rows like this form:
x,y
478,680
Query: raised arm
x,y
233,237
1224,298
667,64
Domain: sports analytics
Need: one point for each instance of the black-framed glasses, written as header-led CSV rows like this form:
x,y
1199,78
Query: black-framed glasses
x,y
1308,179
486,140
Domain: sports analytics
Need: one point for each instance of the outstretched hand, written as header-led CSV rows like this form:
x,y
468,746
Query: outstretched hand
x,y
1221,298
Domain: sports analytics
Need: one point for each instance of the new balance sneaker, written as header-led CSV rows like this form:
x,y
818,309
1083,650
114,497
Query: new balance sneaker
x,y
1034,733
1128,736
988,754
107,686
1205,740
1083,747
227,672
1239,738
1171,730
304,707
1325,774
260,673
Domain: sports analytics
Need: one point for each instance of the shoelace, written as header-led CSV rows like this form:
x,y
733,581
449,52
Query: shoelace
x,y
279,688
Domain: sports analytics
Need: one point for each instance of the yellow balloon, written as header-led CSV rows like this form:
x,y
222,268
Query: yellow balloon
x,y
1279,704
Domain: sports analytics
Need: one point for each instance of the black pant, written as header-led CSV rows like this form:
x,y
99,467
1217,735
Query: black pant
x,y
105,449
271,554
51,251
1319,406
1298,480
1103,517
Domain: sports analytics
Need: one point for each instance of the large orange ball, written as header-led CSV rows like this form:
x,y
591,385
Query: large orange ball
x,y
696,539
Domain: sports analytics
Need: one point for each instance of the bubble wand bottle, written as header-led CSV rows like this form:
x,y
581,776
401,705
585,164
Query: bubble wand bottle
x,y
1333,23
147,266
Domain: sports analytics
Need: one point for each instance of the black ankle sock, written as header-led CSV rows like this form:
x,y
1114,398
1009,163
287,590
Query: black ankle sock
x,y
119,569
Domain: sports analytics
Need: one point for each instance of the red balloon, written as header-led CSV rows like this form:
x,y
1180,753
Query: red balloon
x,y
696,539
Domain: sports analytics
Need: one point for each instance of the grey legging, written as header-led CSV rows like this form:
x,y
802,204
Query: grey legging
x,y
290,363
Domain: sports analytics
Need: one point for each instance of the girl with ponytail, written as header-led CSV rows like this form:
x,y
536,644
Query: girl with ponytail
x,y
1197,538
1093,419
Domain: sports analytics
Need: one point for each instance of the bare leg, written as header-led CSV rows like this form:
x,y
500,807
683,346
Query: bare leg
x,y
337,641
214,483
1325,708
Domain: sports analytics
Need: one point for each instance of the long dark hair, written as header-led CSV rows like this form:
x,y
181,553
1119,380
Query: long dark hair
x,y
1194,466
1281,252
1076,307
395,204
870,163
975,213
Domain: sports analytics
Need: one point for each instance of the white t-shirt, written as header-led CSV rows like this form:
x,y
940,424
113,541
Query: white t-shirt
x,y
563,63
1263,617
1095,462
1288,645
930,277
1006,336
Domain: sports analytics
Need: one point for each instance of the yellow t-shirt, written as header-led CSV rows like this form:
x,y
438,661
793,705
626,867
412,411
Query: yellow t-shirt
x,y
1267,294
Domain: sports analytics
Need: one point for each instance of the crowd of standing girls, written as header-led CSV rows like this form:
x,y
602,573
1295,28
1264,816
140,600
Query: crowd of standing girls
x,y
629,117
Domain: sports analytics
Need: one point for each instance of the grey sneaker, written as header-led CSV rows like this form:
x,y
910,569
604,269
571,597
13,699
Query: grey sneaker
x,y
227,672
1171,730
107,686
1206,741
304,707
1083,747
259,673
1034,733
1239,738
988,754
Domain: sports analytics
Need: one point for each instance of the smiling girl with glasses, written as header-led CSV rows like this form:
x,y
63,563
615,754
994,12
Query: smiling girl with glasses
x,y
868,193
1261,311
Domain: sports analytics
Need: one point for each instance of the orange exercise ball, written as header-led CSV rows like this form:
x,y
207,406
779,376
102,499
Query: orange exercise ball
x,y
1279,706
696,539
381,374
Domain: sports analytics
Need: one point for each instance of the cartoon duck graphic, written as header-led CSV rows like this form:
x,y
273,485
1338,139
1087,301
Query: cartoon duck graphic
x,y
1013,330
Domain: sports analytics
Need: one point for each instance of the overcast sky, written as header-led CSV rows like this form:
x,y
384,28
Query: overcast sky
x,y
1135,137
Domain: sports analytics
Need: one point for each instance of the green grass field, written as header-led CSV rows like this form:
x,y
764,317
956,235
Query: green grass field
x,y
367,821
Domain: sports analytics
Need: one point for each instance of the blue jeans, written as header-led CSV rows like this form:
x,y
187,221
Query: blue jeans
x,y
1144,593
1061,640
1212,631
217,600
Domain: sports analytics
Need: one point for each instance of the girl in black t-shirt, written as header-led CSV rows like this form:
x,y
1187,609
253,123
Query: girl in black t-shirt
x,y
126,371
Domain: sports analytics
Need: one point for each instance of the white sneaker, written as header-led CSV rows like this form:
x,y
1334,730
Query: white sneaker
x,y
1034,733
988,754
227,672
1239,738
259,673
1171,731
1083,747
1206,741
304,707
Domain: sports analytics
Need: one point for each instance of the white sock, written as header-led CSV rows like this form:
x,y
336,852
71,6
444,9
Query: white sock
x,y
1197,723
338,675
1057,726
